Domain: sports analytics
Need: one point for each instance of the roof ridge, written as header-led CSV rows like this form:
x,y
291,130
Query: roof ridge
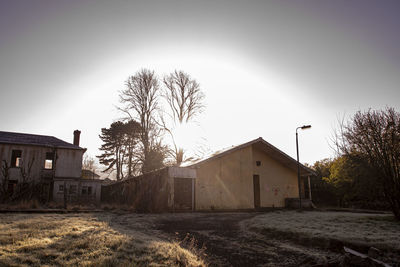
x,y
35,139
220,153
29,134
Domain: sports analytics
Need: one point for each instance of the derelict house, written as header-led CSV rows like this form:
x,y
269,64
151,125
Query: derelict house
x,y
45,164
249,176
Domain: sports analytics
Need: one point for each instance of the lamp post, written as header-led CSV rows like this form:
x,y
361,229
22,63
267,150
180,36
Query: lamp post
x,y
298,162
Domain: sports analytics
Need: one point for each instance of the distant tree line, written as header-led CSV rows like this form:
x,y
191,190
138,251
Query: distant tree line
x,y
366,171
153,108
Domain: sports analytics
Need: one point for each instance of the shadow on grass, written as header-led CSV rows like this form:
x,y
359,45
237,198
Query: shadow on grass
x,y
83,240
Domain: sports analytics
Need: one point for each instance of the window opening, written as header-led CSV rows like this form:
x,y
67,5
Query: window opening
x,y
48,163
72,189
16,158
84,190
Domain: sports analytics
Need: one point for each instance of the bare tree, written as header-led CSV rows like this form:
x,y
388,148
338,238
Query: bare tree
x,y
183,96
26,170
88,163
5,177
376,135
140,102
185,101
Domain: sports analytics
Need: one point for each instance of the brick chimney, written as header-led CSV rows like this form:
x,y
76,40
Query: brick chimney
x,y
77,135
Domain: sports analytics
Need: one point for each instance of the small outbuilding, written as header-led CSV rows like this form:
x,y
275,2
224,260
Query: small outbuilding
x,y
251,175
77,190
166,189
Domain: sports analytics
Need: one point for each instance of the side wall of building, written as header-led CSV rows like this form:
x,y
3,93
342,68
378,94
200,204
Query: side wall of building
x,y
151,192
277,182
226,182
68,164
77,190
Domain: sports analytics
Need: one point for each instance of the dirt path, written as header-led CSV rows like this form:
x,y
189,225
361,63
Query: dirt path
x,y
224,241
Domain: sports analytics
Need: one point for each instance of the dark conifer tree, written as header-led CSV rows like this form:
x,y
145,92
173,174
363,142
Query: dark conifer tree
x,y
118,148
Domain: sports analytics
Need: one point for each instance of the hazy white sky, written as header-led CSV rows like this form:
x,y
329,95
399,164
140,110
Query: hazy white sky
x,y
266,67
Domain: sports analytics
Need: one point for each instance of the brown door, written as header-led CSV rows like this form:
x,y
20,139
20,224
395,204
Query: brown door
x,y
256,186
183,193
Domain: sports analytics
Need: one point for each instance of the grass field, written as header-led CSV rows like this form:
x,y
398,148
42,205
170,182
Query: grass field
x,y
128,239
359,229
85,240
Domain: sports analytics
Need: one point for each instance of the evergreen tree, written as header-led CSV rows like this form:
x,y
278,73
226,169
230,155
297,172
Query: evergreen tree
x,y
119,147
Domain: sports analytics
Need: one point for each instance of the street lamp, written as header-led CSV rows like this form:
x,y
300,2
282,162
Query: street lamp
x,y
298,162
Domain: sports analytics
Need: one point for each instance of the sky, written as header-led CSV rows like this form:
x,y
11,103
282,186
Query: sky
x,y
265,67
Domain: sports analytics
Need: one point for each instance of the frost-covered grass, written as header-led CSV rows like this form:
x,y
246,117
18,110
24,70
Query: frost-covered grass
x,y
111,239
378,230
104,239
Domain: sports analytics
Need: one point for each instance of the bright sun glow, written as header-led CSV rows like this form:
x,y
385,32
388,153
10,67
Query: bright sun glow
x,y
241,99
186,136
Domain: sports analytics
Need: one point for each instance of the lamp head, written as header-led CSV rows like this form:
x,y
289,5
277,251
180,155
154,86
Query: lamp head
x,y
305,127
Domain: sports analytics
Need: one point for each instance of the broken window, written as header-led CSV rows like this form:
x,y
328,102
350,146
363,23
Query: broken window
x,y
72,189
84,190
48,163
16,158
61,188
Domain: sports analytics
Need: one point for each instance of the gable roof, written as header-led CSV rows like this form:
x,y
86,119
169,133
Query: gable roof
x,y
35,140
264,146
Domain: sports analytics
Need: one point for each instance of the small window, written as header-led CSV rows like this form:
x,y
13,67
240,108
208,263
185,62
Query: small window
x,y
48,163
72,189
16,158
61,188
258,163
84,190
89,190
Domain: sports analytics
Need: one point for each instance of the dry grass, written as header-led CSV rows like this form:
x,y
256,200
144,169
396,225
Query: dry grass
x,y
121,239
22,205
378,230
86,240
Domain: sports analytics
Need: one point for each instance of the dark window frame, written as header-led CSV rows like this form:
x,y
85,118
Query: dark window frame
x,y
15,155
84,190
49,158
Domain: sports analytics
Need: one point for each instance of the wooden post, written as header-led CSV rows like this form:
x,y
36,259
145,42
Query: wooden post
x,y
309,188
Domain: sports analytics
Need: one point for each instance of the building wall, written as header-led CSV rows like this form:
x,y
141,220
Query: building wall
x,y
167,189
68,164
82,190
150,192
277,182
226,182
